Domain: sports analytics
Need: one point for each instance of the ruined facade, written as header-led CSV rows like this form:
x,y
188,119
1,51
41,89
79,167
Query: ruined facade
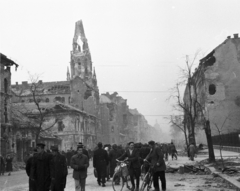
x,y
7,139
218,83
79,95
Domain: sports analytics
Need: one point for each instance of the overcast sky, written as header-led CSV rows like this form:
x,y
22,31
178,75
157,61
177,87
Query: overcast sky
x,y
137,46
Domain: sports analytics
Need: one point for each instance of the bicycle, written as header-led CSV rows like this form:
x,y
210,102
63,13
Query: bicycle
x,y
148,178
121,176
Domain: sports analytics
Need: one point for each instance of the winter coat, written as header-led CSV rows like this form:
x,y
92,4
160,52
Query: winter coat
x,y
9,167
79,163
113,155
156,156
32,184
100,159
2,165
40,170
58,171
132,158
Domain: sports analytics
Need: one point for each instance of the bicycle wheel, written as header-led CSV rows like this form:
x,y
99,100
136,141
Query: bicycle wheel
x,y
118,182
145,182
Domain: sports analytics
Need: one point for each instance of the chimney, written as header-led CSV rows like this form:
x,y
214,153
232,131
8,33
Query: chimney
x,y
25,84
16,83
235,35
228,37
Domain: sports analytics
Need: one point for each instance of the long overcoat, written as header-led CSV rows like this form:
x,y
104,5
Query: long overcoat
x,y
9,167
32,184
79,163
2,165
40,171
156,156
100,159
58,171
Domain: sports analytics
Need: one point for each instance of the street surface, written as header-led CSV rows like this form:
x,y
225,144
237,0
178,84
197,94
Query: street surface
x,y
18,181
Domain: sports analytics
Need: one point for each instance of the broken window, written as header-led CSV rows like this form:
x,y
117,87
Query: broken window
x,y
61,126
5,85
212,89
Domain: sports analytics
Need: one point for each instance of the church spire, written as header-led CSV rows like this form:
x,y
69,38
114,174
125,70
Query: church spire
x,y
94,77
68,74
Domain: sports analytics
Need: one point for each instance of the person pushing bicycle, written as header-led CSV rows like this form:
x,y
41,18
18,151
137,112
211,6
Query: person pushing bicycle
x,y
134,168
156,157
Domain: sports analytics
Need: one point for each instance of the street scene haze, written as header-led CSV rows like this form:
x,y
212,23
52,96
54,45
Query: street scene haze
x,y
119,95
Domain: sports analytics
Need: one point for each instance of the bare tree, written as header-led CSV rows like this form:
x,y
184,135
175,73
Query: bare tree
x,y
220,130
177,122
35,113
193,104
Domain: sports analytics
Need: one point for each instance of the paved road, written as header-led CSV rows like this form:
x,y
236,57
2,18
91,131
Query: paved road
x,y
18,181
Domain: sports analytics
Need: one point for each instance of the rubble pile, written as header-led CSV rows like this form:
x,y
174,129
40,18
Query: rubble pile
x,y
18,166
196,169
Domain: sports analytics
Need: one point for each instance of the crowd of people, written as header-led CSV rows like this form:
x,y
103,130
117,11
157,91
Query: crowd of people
x,y
48,170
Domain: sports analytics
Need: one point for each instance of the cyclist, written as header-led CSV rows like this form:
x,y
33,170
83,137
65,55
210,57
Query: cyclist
x,y
134,165
156,158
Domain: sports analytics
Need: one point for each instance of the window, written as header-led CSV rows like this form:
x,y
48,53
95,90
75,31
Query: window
x,y
5,85
112,128
212,89
47,100
60,126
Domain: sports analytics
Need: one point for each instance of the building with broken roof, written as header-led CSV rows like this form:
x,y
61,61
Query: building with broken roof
x,y
6,128
74,101
218,85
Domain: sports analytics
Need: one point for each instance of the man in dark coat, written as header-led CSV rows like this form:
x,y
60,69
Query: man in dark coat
x,y
156,158
58,170
69,156
132,155
29,163
100,162
2,165
40,171
113,155
80,163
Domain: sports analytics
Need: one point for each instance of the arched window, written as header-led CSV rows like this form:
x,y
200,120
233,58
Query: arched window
x,y
212,89
112,128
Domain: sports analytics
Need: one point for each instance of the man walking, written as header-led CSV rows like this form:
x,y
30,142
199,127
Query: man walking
x,y
156,158
80,163
58,170
100,162
40,171
29,163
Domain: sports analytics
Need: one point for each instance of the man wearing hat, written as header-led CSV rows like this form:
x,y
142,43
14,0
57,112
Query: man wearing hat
x,y
40,170
156,157
79,163
58,170
100,163
29,163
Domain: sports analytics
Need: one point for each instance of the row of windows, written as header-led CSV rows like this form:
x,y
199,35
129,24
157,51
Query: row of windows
x,y
46,100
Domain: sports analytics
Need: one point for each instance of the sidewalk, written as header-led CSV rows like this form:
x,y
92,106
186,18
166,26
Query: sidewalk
x,y
203,154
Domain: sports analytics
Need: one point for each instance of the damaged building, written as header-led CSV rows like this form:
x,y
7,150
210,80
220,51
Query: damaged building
x,y
7,138
218,84
74,101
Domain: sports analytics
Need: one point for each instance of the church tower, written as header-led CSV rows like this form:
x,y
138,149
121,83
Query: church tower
x,y
81,63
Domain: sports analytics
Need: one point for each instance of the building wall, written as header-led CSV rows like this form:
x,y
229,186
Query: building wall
x,y
223,106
